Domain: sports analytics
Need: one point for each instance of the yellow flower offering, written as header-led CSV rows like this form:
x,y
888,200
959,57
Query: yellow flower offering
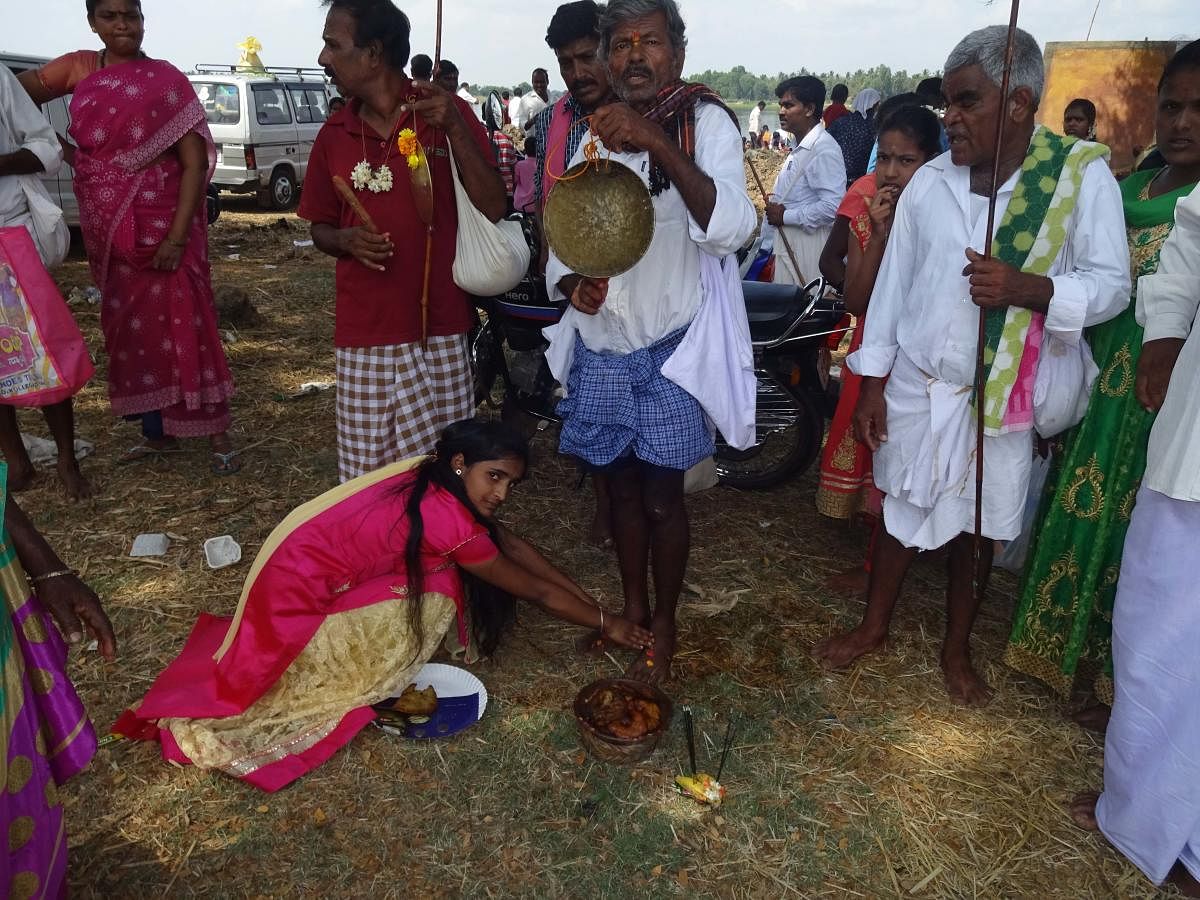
x,y
410,147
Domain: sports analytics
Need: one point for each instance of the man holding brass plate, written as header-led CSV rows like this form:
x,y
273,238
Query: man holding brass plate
x,y
656,356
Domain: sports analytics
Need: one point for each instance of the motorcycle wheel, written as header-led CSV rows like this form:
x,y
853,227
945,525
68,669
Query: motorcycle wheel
x,y
485,365
790,429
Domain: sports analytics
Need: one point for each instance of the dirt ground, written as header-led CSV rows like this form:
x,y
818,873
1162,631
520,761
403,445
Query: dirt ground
x,y
867,784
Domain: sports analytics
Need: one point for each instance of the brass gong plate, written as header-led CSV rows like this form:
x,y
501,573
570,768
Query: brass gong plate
x,y
599,222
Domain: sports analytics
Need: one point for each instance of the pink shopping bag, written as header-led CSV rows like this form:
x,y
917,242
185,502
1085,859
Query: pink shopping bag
x,y
43,358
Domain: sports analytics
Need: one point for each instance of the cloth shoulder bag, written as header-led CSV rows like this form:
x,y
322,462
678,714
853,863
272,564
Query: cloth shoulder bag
x,y
1066,375
490,257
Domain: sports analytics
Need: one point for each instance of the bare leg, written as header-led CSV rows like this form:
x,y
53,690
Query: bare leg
x,y
1083,813
888,568
632,535
962,605
1093,716
670,541
602,527
60,417
20,468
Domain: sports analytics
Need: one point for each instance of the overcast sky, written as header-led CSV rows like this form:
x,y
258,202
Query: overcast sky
x,y
495,42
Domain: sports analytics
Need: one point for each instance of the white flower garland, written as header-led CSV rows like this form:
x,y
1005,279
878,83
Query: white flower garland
x,y
377,181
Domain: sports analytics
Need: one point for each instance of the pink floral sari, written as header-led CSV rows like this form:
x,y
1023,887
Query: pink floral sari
x,y
160,328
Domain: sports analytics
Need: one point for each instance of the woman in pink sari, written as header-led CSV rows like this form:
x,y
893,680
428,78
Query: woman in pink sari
x,y
142,162
347,600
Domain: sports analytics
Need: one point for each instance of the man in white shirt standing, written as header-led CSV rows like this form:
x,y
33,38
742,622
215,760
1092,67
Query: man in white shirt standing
x,y
1061,263
808,188
1150,808
465,93
29,146
755,125
514,108
536,100
622,414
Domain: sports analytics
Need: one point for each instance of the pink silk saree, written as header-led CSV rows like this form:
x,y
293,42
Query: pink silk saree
x,y
320,634
160,328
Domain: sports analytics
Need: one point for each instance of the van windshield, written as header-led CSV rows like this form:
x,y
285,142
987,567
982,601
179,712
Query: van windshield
x,y
222,102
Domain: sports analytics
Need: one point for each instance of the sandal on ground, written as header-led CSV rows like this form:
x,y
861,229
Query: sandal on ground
x,y
147,451
225,463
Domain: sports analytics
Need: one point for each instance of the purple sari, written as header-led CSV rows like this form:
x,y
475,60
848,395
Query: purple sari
x,y
45,738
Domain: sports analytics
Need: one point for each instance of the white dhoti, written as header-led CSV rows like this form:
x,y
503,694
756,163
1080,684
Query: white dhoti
x,y
808,245
1150,808
927,466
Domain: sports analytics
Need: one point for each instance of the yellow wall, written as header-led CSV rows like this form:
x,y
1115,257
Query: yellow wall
x,y
1120,77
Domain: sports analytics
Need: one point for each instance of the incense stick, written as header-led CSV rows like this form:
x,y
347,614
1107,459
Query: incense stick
x,y
689,729
728,744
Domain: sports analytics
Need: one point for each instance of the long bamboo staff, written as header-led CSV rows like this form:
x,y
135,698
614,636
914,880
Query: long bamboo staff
x,y
783,237
980,374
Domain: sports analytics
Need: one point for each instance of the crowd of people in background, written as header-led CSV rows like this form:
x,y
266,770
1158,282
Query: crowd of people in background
x,y
1088,294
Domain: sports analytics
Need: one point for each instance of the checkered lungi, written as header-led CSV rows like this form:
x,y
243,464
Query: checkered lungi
x,y
394,401
619,404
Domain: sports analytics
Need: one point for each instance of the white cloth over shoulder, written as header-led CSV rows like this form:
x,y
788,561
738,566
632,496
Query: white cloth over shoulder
x,y
1150,808
668,287
1168,302
23,198
921,309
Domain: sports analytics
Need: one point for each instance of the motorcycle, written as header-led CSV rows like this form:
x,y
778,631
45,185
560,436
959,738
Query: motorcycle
x,y
789,325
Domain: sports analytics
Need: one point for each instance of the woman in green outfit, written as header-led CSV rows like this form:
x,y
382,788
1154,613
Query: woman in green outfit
x,y
1062,631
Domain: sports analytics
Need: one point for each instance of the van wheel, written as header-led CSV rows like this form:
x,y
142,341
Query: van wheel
x,y
282,193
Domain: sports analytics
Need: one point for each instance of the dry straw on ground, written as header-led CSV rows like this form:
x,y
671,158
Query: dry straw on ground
x,y
867,784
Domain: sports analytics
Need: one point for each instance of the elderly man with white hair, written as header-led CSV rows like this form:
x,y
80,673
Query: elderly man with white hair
x,y
1059,264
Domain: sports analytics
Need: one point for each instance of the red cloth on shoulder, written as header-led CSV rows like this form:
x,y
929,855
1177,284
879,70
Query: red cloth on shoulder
x,y
377,308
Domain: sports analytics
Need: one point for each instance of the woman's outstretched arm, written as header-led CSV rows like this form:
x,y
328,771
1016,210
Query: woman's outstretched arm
x,y
508,575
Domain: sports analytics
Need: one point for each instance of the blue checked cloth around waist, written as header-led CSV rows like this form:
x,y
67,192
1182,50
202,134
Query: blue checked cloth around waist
x,y
620,404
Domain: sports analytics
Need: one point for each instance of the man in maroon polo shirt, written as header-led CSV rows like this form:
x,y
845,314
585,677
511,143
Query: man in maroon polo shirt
x,y
394,395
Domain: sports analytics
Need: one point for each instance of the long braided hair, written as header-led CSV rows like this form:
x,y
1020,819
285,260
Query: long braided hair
x,y
491,610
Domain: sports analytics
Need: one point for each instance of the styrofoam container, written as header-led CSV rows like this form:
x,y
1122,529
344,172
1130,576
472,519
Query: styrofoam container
x,y
150,545
223,551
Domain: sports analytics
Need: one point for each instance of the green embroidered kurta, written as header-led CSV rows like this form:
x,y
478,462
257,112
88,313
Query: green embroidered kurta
x,y
1063,626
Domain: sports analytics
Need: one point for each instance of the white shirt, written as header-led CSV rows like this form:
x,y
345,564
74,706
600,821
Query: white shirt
x,y
755,120
514,111
1167,306
472,101
810,185
22,127
531,105
661,294
921,303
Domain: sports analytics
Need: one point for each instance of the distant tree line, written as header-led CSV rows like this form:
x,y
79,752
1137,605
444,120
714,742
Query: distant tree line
x,y
739,84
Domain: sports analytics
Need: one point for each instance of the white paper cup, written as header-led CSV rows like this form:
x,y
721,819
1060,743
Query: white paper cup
x,y
220,552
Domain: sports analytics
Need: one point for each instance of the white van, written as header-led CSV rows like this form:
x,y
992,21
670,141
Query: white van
x,y
59,185
264,125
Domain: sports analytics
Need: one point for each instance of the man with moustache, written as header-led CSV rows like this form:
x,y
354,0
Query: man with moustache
x,y
574,36
1060,263
650,357
399,384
